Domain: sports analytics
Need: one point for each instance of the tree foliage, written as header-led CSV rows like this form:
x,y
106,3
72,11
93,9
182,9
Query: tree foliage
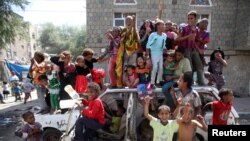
x,y
55,39
11,24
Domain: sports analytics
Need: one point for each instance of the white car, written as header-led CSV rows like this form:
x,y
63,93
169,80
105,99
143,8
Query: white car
x,y
133,127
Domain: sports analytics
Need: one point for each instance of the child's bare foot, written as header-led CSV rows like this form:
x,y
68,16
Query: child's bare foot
x,y
57,111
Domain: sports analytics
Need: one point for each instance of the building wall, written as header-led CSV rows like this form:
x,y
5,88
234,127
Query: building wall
x,y
242,25
237,73
23,48
222,13
230,29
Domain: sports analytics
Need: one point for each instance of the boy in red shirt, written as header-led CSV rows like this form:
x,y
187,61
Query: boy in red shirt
x,y
222,108
92,114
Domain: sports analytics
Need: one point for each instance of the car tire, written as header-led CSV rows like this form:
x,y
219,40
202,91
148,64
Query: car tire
x,y
51,135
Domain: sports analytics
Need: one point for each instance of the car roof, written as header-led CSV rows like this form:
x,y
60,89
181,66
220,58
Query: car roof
x,y
158,90
200,89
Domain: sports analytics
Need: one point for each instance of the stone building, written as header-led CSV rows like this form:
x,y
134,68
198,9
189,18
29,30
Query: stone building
x,y
23,48
229,27
21,51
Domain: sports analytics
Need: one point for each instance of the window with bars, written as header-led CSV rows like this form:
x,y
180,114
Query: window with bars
x,y
120,18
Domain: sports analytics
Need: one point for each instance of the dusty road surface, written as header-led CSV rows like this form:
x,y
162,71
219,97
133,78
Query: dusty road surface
x,y
10,117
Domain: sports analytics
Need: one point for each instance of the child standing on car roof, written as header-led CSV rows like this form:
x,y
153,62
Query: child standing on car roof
x,y
215,69
143,71
221,108
92,114
82,71
53,87
32,130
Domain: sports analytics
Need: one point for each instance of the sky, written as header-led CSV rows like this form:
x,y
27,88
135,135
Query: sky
x,y
58,12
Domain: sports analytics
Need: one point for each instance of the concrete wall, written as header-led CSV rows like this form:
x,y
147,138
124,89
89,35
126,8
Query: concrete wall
x,y
230,29
242,25
23,49
222,13
237,73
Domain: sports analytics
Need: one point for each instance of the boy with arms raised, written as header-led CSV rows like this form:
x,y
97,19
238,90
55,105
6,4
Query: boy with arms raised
x,y
163,127
188,125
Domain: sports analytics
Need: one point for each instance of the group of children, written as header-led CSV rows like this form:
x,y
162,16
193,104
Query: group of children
x,y
150,68
16,88
52,75
184,119
156,63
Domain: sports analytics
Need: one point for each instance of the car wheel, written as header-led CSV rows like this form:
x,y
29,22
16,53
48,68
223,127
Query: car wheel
x,y
51,135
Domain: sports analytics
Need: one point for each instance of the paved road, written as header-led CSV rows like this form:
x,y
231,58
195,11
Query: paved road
x,y
242,106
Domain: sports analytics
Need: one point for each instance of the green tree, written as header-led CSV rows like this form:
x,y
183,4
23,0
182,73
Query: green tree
x,y
55,39
79,42
50,38
11,24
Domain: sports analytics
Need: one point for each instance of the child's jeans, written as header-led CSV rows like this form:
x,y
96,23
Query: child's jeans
x,y
85,127
168,96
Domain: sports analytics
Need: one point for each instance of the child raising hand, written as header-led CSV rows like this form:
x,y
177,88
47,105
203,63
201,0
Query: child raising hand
x,y
187,125
163,127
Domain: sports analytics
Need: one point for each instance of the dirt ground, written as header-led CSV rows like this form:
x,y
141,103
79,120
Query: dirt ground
x,y
10,117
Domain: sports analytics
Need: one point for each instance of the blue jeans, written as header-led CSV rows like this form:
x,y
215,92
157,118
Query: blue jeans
x,y
165,91
85,127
